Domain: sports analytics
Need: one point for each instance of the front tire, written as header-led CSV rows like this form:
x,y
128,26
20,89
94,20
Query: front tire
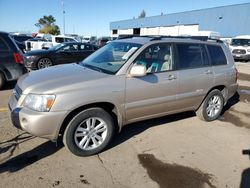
x,y
212,106
89,132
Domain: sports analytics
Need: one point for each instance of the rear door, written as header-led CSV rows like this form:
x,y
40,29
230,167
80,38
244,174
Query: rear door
x,y
154,94
195,75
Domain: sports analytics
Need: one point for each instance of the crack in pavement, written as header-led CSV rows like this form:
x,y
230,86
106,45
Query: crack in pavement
x,y
105,168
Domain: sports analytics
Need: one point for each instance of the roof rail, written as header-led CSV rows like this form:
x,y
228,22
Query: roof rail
x,y
160,37
201,38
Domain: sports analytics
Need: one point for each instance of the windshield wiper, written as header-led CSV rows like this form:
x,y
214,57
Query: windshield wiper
x,y
92,67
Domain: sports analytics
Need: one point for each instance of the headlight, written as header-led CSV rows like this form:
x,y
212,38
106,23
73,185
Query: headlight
x,y
41,103
248,50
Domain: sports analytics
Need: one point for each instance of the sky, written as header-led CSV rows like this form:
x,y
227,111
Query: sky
x,y
91,17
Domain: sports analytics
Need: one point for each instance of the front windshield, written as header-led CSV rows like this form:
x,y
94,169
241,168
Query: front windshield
x,y
56,47
240,42
111,57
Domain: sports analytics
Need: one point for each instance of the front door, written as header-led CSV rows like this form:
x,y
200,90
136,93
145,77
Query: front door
x,y
154,94
67,54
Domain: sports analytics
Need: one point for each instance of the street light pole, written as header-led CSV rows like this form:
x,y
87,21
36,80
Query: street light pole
x,y
178,33
63,17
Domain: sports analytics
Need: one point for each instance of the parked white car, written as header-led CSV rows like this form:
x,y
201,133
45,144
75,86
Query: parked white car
x,y
46,43
240,47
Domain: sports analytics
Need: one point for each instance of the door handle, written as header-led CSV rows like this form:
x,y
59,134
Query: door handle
x,y
208,72
171,77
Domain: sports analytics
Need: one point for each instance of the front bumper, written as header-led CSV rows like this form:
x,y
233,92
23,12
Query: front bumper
x,y
245,57
41,124
30,63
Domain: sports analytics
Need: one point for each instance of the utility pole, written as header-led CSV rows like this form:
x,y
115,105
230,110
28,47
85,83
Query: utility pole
x,y
63,11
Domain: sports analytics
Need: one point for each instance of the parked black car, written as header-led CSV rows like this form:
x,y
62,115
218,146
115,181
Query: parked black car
x,y
11,59
67,52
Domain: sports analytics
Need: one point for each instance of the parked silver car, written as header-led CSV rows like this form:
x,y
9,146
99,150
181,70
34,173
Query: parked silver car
x,y
126,81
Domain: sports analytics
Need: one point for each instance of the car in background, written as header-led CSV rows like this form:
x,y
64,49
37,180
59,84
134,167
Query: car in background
x,y
240,47
63,53
46,41
11,59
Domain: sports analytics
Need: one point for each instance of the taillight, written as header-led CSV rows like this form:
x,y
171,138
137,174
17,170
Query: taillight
x,y
18,57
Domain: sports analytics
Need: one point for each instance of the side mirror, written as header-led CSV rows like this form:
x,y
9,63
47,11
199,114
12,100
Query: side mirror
x,y
138,71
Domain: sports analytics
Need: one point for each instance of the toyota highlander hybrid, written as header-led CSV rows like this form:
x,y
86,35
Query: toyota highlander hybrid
x,y
125,81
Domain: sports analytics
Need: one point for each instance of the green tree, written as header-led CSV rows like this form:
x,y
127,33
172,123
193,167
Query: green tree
x,y
47,25
143,14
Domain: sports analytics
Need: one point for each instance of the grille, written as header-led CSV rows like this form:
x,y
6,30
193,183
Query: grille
x,y
17,92
239,51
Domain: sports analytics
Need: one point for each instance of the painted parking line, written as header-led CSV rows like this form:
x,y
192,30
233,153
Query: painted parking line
x,y
3,109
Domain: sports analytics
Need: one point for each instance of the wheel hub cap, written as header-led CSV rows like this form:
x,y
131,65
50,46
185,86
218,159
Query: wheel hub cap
x,y
90,133
214,106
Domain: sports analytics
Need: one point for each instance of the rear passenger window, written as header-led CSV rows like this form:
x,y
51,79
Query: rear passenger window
x,y
217,55
3,45
191,56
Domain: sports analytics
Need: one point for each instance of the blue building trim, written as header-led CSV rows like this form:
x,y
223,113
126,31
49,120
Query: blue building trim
x,y
229,20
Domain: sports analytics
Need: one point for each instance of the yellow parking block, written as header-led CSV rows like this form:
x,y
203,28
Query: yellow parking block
x,y
3,109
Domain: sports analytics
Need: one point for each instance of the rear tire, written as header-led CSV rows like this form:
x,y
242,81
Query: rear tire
x,y
89,132
212,106
44,63
2,80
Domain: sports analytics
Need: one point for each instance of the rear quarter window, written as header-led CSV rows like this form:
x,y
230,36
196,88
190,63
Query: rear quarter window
x,y
217,55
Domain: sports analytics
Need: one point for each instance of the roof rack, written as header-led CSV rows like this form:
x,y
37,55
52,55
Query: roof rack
x,y
160,37
201,38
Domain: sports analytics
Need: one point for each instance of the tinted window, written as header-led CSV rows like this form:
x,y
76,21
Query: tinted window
x,y
191,56
3,45
59,39
217,55
156,58
21,38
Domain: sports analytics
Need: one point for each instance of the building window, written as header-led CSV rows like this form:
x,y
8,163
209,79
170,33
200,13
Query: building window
x,y
115,31
136,31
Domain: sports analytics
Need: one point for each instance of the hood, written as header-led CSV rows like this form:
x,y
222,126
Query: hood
x,y
38,52
58,79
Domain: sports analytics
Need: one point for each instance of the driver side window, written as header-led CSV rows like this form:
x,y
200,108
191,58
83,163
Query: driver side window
x,y
156,58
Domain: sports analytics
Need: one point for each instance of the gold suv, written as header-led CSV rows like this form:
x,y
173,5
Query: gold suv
x,y
125,81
